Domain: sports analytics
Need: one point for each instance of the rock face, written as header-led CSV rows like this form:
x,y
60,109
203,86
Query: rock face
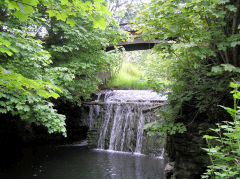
x,y
117,124
76,120
15,131
16,135
185,150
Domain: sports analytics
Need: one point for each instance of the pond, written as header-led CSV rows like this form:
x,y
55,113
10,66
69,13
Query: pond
x,y
79,162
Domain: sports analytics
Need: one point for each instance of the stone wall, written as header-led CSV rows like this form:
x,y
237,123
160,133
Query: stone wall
x,y
15,131
186,158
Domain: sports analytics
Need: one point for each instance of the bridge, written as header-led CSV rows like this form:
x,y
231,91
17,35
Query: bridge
x,y
137,43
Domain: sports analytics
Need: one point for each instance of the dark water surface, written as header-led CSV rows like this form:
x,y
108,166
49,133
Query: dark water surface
x,y
77,162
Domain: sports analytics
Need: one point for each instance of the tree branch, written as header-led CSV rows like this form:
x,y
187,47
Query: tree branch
x,y
152,108
234,29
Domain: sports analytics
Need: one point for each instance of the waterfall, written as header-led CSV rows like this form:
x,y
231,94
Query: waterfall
x,y
101,140
119,119
140,133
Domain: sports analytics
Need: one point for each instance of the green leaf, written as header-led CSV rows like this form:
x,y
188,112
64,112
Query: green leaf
x,y
54,95
52,13
100,23
236,95
209,137
216,69
234,44
26,108
71,22
231,8
3,110
65,2
12,5
28,9
231,111
21,16
233,85
150,133
228,67
62,16
31,2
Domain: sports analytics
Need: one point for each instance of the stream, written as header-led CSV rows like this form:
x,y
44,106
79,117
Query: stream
x,y
79,162
121,149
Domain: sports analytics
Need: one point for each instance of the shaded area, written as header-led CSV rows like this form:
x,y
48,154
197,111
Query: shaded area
x,y
80,163
137,44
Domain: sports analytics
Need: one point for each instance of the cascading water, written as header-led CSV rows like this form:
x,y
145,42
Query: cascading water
x,y
118,116
115,123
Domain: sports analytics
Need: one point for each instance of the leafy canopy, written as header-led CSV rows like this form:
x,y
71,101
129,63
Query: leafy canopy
x,y
50,49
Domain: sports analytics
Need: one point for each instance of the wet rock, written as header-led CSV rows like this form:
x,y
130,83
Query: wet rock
x,y
186,150
169,170
169,167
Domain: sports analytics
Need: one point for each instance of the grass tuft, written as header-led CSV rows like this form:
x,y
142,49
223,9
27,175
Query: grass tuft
x,y
128,77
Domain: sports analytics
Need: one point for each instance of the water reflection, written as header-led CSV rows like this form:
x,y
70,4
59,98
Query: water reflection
x,y
82,163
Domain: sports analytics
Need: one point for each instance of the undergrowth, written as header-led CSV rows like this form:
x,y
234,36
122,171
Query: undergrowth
x,y
129,76
224,147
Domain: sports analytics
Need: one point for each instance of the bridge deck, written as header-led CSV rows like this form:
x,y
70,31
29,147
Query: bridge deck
x,y
136,44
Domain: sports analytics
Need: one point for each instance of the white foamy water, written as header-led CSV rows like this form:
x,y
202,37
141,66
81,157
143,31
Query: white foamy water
x,y
120,119
134,95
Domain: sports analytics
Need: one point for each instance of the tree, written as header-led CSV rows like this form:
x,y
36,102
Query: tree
x,y
30,76
201,37
200,41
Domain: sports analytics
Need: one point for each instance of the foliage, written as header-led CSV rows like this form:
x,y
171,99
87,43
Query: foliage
x,y
129,76
224,148
156,69
64,10
50,49
200,43
193,29
152,69
166,124
23,92
198,48
79,58
124,11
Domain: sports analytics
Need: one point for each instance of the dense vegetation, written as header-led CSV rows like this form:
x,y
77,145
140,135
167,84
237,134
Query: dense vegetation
x,y
143,69
199,40
129,75
223,147
52,49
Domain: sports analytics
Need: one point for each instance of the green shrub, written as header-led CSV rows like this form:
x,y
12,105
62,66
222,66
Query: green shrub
x,y
224,148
